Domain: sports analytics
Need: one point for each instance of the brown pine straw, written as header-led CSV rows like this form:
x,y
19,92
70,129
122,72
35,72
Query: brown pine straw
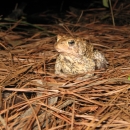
x,y
28,82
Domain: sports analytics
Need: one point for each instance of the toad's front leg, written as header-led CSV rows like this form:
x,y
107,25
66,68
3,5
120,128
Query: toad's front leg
x,y
58,68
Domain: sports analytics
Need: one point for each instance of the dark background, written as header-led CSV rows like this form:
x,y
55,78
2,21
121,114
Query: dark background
x,y
36,6
48,11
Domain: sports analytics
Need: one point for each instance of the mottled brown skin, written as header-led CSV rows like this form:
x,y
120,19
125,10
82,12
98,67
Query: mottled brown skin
x,y
77,56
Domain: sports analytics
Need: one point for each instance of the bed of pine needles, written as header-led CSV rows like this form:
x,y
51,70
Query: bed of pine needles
x,y
28,82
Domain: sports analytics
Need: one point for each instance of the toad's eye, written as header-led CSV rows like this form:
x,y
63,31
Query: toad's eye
x,y
71,42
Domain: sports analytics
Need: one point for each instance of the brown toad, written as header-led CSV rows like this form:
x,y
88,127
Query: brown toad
x,y
77,56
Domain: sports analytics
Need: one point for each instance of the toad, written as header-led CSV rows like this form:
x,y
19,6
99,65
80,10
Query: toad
x,y
77,56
